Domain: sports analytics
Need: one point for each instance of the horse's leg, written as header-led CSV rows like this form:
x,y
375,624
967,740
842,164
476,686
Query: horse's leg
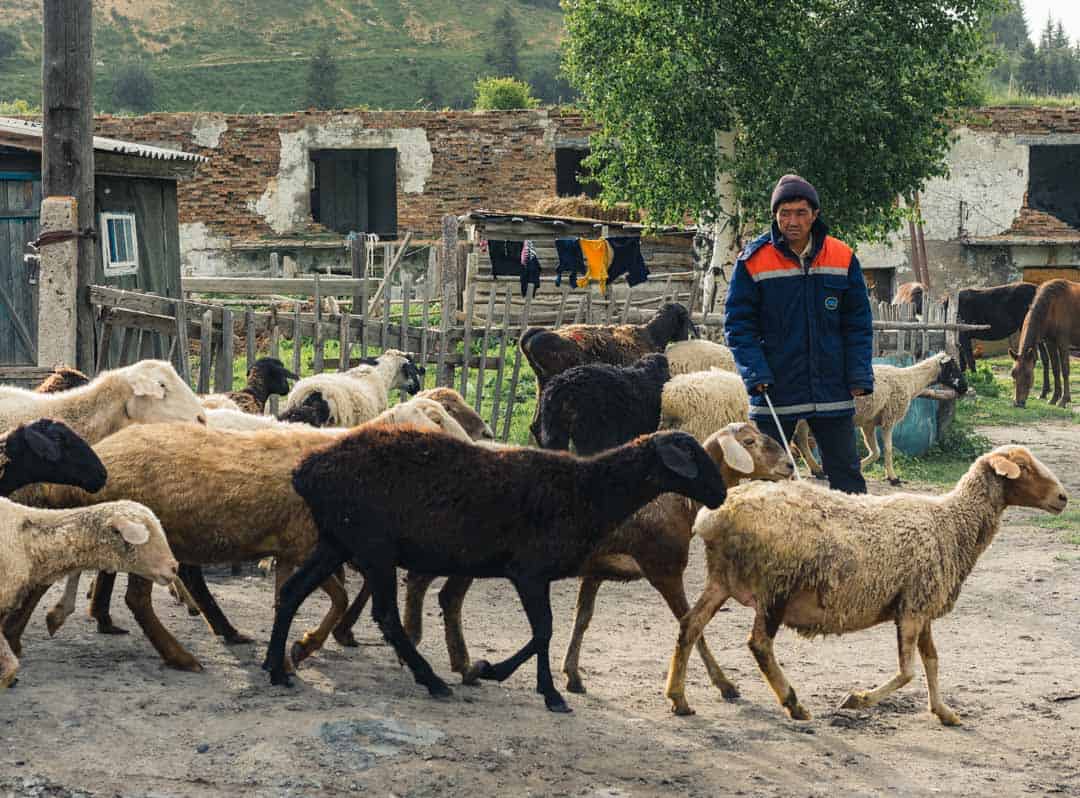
x,y
1055,363
1044,356
1063,356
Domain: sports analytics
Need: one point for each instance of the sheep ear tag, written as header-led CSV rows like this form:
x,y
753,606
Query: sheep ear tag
x,y
1004,467
677,460
133,532
735,455
43,446
147,386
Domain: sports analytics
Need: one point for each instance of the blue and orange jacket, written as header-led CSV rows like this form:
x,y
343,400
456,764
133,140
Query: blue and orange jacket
x,y
807,333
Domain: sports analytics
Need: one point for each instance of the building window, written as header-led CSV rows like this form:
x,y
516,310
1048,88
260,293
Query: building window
x,y
119,244
1052,184
355,191
571,178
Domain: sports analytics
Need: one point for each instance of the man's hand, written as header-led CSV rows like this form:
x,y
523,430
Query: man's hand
x,y
761,387
859,392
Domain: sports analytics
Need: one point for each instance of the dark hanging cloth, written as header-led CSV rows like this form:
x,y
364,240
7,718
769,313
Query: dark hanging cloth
x,y
530,268
505,257
627,258
570,260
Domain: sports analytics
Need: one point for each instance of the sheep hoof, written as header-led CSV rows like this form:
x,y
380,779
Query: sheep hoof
x,y
948,717
105,626
15,644
574,684
53,621
193,611
896,481
439,689
187,663
729,692
9,679
481,669
854,700
797,712
555,703
346,638
235,638
280,678
680,707
300,651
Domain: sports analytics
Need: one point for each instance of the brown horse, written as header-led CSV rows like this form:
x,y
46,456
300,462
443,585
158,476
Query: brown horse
x,y
910,294
1054,317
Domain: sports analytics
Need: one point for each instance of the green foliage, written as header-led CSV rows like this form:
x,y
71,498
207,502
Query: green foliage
x,y
506,41
851,94
9,43
322,79
1052,68
998,409
984,383
18,108
133,88
503,94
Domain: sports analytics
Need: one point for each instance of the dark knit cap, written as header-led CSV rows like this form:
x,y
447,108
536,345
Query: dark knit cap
x,y
793,187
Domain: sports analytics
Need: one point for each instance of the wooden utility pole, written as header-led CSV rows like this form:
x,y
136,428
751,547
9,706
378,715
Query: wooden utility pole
x,y
67,152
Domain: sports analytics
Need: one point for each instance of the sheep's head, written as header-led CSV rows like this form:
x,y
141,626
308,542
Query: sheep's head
x,y
952,376
1028,483
314,410
63,378
687,469
425,414
159,395
455,405
671,323
141,541
1023,374
745,452
273,375
50,451
409,376
655,364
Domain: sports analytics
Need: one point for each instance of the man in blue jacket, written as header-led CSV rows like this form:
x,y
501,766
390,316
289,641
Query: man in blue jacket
x,y
798,322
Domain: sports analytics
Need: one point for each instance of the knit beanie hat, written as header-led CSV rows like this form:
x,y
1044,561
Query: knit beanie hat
x,y
793,187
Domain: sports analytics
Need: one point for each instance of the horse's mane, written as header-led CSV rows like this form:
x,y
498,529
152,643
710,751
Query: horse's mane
x,y
1034,329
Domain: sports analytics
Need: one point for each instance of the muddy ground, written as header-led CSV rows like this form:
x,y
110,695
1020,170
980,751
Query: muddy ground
x,y
100,715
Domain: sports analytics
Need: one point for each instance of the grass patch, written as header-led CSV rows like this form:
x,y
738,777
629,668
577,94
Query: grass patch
x,y
945,462
1068,520
993,402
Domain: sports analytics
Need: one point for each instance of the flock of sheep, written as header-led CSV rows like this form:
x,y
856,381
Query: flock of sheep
x,y
133,472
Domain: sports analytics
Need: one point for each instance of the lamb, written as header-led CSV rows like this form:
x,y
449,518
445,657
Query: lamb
x,y
313,411
894,388
552,352
38,546
702,402
698,355
654,543
223,496
148,391
455,405
267,377
47,451
523,514
361,393
63,378
598,406
826,562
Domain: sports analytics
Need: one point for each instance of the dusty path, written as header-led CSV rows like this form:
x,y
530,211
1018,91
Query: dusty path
x,y
101,715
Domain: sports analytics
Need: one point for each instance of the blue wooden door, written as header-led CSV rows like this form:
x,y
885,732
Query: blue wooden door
x,y
20,203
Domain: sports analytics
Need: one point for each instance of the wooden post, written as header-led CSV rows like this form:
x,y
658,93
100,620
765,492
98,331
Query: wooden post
x,y
500,367
182,350
444,332
275,349
363,312
384,331
317,340
530,293
564,292
488,322
223,377
249,340
448,250
425,311
470,300
406,289
344,344
67,146
206,350
356,257
296,339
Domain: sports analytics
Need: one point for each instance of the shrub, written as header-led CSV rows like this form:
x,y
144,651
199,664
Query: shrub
x,y
9,43
133,88
503,94
984,383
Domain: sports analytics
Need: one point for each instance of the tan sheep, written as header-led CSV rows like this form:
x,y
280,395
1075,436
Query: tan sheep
x,y
826,562
702,402
698,354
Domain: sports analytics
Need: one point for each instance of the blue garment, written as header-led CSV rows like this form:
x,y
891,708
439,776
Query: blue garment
x,y
627,258
570,260
805,330
530,269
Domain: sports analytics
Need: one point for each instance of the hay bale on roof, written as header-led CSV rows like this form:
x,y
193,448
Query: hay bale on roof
x,y
583,207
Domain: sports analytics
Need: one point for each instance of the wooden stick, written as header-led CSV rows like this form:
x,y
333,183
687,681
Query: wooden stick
x,y
206,343
480,372
389,271
444,331
296,340
317,341
515,374
503,335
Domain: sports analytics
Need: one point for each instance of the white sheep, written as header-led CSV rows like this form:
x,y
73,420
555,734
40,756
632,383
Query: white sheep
x,y
219,401
39,546
361,393
825,562
146,392
703,402
698,354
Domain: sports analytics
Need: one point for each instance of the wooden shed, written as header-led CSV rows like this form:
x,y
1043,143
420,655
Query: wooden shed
x,y
135,219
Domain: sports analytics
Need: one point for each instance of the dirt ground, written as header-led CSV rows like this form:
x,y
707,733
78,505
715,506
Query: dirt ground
x,y
101,716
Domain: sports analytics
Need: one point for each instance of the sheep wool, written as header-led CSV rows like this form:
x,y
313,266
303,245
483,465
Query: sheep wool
x,y
698,354
361,393
702,402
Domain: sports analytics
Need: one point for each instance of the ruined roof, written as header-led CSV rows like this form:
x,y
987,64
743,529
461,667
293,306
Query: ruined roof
x,y
25,134
1030,119
1032,227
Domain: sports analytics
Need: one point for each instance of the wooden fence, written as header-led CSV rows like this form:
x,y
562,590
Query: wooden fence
x,y
897,330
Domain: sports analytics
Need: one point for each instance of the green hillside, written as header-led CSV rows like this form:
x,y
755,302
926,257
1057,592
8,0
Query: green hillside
x,y
253,55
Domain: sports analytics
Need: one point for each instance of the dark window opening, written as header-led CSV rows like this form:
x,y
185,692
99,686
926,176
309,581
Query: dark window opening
x,y
355,191
1052,184
571,178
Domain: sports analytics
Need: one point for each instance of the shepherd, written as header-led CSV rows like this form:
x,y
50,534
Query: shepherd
x,y
798,322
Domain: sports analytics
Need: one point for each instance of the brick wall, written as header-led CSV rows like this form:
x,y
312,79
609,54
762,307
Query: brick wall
x,y
1030,120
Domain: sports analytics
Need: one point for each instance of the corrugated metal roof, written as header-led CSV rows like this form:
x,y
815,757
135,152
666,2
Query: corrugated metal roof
x,y
33,130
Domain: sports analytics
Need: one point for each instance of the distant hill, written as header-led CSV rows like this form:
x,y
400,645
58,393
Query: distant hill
x,y
252,55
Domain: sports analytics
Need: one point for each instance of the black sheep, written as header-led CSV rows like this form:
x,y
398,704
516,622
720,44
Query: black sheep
x,y
48,451
527,515
598,406
313,411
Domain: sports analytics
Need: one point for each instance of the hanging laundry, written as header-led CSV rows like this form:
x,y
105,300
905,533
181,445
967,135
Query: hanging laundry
x,y
628,260
597,253
570,259
505,257
530,268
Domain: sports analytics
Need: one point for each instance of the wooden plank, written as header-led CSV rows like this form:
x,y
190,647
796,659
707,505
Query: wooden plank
x,y
444,328
297,340
223,377
503,335
406,290
384,330
263,286
388,273
425,310
249,341
470,301
563,294
275,349
103,348
317,341
183,350
344,344
206,331
626,306
362,312
516,373
489,321
448,249
356,263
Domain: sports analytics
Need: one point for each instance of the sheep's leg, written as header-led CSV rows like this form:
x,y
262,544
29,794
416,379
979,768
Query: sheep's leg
x,y
343,631
195,582
325,558
99,603
930,662
416,587
451,598
60,612
671,587
890,472
802,443
583,613
766,625
870,439
536,598
15,623
138,601
314,639
383,581
907,633
691,627
1044,356
9,663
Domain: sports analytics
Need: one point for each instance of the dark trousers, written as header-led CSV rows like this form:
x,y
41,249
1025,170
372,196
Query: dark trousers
x,y
835,439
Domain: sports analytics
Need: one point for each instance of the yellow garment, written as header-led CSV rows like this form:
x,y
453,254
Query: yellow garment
x,y
598,255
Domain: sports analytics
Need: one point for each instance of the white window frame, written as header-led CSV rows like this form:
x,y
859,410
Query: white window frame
x,y
119,268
